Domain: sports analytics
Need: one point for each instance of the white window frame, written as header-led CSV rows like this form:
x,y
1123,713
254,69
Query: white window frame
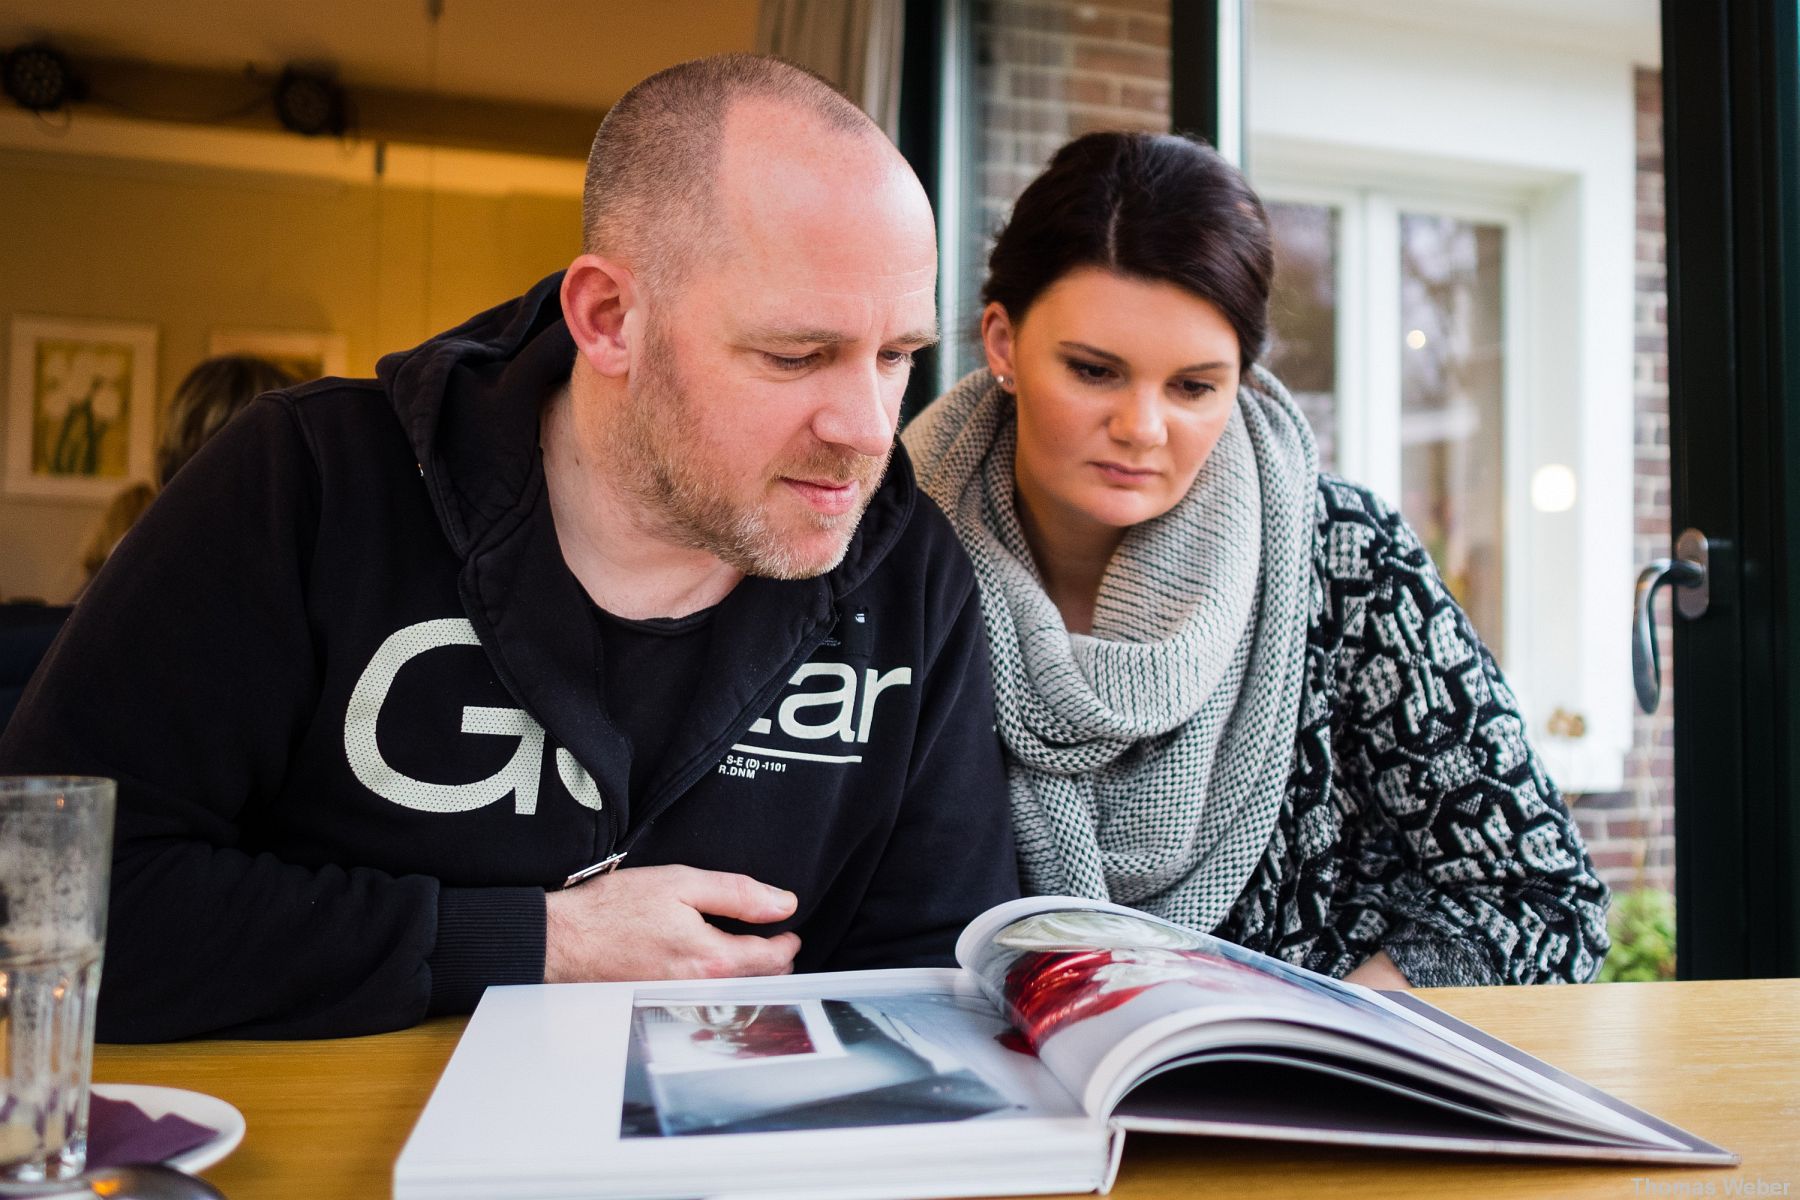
x,y
1367,388
1523,115
1539,557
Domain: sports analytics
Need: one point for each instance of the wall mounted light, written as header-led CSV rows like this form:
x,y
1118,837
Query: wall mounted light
x,y
309,102
39,78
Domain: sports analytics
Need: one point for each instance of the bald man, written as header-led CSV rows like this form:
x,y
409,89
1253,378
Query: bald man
x,y
605,636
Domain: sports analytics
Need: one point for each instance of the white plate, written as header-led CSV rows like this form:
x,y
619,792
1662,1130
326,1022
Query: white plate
x,y
197,1107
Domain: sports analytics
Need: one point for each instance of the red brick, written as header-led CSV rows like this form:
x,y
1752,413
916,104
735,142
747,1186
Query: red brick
x,y
1603,801
1121,60
1033,118
1150,99
1148,31
1608,858
1154,8
1087,20
1027,49
1094,90
1630,829
1034,85
1093,122
1040,18
1065,91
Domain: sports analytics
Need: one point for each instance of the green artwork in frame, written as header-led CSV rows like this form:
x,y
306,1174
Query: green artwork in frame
x,y
81,417
81,407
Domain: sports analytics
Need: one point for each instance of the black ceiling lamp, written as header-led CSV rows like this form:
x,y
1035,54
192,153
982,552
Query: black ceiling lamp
x,y
309,102
38,78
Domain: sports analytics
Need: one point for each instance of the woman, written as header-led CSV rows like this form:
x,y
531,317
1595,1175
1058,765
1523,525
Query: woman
x,y
208,396
216,390
1233,691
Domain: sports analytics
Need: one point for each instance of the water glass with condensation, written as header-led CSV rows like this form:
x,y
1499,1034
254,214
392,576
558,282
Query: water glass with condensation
x,y
55,852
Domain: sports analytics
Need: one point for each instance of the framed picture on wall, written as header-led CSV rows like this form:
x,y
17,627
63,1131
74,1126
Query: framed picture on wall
x,y
301,354
81,410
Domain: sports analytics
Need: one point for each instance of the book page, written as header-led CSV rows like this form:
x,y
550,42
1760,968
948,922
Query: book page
x,y
885,1080
809,1057
1103,994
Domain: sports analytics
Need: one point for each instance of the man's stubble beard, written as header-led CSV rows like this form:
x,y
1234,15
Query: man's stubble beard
x,y
654,451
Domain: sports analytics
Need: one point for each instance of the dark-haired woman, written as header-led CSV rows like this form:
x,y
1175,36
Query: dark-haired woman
x,y
1233,690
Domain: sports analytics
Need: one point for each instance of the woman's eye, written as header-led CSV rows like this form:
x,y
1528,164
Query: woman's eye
x,y
1193,389
786,362
1090,372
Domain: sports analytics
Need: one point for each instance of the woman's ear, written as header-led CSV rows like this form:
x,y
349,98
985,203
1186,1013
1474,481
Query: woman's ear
x,y
600,300
997,340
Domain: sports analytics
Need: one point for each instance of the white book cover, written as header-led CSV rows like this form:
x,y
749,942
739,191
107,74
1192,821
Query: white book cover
x,y
1069,1023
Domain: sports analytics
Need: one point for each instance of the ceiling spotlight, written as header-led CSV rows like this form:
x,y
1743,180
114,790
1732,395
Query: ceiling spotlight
x,y
309,102
39,78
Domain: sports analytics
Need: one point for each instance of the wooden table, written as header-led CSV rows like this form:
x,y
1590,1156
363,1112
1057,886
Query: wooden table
x,y
327,1119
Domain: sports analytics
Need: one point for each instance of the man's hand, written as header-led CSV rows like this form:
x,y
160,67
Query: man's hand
x,y
650,923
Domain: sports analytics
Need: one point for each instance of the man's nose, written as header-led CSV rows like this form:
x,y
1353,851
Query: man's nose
x,y
1137,419
859,413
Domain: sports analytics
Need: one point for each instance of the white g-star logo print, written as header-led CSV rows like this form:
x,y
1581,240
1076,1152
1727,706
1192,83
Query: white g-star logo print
x,y
519,777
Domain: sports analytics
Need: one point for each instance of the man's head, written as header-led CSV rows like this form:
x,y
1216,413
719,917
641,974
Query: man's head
x,y
760,264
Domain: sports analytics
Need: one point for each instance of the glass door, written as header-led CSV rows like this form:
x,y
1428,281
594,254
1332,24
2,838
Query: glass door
x,y
1481,306
1470,305
1417,408
1733,85
1491,314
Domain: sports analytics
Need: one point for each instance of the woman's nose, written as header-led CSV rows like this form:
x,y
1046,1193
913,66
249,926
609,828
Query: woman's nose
x,y
1137,420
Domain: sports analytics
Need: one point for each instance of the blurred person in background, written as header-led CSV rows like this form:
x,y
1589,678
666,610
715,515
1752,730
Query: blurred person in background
x,y
210,395
207,397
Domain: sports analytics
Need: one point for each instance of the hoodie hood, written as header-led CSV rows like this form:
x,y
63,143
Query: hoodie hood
x,y
469,401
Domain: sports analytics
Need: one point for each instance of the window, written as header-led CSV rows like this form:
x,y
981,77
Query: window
x,y
1405,325
1452,410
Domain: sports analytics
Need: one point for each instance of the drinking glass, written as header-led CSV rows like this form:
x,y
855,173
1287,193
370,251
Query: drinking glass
x,y
55,852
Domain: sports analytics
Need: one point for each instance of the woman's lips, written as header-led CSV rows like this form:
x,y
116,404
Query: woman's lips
x,y
826,497
1121,474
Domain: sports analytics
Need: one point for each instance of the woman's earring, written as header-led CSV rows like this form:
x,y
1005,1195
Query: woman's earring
x,y
1005,382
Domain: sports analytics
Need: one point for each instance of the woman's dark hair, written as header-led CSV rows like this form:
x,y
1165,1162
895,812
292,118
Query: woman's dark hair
x,y
1156,207
210,395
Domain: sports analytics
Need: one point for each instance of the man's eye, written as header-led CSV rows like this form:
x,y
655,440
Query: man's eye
x,y
788,362
897,358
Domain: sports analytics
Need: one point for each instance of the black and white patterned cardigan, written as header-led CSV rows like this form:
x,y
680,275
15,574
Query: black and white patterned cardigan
x,y
1417,818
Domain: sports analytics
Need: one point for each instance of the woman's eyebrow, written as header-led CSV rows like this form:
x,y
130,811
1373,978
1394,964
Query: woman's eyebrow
x,y
1108,356
1097,352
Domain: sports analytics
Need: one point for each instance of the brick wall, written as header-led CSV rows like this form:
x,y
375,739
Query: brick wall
x,y
1050,70
1632,832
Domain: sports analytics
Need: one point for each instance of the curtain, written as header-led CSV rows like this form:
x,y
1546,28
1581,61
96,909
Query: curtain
x,y
854,43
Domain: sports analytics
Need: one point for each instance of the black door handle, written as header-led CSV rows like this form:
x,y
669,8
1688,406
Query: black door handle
x,y
1686,571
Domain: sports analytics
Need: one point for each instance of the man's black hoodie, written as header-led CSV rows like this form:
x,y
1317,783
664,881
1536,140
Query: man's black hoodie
x,y
352,697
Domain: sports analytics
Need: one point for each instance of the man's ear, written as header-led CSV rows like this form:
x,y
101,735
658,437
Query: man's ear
x,y
600,301
997,341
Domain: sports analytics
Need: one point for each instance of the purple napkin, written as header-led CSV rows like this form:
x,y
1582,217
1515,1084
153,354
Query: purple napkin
x,y
120,1134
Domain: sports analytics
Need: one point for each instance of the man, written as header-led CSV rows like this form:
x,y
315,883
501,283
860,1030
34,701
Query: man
x,y
611,574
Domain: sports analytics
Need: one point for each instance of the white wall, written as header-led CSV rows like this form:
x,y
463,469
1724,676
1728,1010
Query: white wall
x,y
144,223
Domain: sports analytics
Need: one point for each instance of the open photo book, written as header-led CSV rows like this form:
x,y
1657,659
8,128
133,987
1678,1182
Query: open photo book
x,y
1069,1024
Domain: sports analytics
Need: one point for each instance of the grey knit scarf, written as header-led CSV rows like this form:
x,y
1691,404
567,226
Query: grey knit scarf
x,y
1147,762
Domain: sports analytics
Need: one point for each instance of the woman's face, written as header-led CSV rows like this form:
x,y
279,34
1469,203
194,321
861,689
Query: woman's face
x,y
1124,387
